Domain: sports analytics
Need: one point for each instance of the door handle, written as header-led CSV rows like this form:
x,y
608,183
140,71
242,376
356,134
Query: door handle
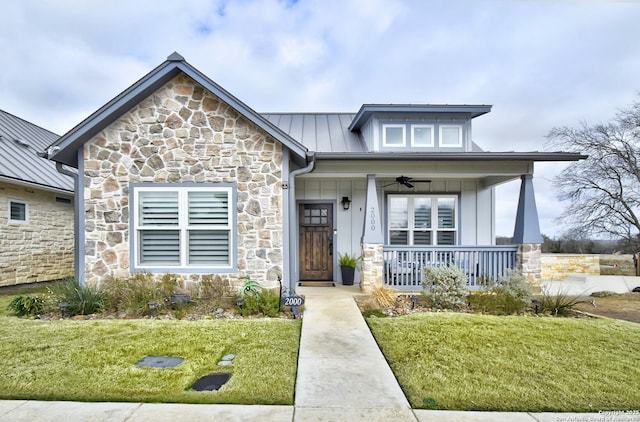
x,y
331,246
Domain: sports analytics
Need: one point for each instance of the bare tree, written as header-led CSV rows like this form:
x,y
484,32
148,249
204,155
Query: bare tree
x,y
604,190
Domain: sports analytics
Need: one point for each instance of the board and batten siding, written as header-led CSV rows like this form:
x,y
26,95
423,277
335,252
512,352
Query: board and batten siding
x,y
476,219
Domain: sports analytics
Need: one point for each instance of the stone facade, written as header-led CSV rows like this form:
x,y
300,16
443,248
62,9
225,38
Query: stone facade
x,y
528,262
372,264
40,249
557,267
183,133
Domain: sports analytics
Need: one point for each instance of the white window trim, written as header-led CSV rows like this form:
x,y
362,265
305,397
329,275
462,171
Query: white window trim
x,y
26,211
183,227
414,144
384,135
458,145
434,229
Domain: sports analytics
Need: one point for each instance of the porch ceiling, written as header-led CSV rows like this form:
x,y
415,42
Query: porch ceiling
x,y
488,173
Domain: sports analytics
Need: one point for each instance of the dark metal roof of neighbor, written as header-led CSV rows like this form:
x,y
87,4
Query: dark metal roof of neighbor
x,y
20,141
367,110
321,132
175,64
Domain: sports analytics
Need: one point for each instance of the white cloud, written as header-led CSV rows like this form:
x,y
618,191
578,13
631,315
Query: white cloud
x,y
541,64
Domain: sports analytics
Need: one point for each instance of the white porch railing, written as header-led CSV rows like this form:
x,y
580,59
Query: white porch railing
x,y
404,265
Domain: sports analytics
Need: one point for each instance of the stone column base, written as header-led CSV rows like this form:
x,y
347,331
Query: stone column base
x,y
372,260
528,262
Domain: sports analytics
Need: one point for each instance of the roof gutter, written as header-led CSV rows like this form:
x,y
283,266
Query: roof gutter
x,y
292,220
76,222
24,183
466,156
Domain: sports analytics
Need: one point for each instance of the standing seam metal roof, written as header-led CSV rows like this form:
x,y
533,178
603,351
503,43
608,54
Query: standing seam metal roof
x,y
319,132
20,141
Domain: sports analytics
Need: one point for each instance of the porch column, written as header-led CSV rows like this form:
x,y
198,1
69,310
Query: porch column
x,y
372,240
527,234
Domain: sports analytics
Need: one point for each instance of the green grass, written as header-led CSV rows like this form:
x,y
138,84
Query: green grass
x,y
95,360
478,362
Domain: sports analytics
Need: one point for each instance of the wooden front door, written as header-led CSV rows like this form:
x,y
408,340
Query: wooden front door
x,y
316,242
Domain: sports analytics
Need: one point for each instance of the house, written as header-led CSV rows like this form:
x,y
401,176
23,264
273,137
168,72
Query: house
x,y
177,175
36,207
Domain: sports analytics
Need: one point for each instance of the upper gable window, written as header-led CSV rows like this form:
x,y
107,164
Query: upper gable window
x,y
421,135
393,135
450,136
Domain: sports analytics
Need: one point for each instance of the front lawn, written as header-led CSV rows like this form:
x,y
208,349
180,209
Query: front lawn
x,y
478,362
95,360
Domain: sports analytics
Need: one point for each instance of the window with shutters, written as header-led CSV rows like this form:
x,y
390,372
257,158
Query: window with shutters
x,y
422,220
18,211
183,227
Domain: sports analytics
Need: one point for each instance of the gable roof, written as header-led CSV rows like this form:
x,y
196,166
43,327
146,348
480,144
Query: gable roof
x,y
72,141
20,143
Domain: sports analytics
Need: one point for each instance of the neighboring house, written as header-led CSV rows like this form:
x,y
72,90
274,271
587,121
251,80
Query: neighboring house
x,y
36,207
179,176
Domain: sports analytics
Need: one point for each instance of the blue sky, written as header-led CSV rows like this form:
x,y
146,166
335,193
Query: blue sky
x,y
541,63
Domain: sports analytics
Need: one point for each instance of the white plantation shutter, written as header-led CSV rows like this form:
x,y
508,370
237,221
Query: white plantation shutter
x,y
208,247
160,247
206,208
158,208
446,213
421,220
184,227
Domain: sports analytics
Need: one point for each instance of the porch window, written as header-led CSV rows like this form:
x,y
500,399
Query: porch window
x,y
183,227
393,135
17,211
422,220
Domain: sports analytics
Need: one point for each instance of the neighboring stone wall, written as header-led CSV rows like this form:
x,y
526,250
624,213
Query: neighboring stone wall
x,y
372,263
40,249
528,262
557,267
183,133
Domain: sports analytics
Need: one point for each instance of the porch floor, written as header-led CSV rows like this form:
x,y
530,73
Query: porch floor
x,y
342,373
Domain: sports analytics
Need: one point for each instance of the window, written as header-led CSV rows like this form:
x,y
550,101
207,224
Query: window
x,y
450,136
17,211
421,135
422,220
183,227
393,135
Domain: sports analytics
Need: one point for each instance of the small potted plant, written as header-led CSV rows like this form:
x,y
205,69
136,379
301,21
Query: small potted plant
x,y
348,264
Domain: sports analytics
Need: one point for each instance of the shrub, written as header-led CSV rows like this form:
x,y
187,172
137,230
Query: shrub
x,y
213,290
512,294
132,295
267,303
385,296
557,305
81,300
28,305
444,287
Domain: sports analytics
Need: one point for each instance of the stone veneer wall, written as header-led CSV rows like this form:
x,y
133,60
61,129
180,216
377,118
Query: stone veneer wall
x,y
372,263
183,133
560,266
528,262
40,249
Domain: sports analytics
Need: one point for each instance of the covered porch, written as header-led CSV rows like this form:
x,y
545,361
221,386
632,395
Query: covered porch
x,y
403,266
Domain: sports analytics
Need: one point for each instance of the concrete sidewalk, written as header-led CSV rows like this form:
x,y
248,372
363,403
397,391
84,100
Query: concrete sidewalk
x,y
342,376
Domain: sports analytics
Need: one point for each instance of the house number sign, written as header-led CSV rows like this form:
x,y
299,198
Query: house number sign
x,y
293,301
372,215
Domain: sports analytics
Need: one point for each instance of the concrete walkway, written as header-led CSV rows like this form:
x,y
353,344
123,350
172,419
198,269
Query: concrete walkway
x,y
342,376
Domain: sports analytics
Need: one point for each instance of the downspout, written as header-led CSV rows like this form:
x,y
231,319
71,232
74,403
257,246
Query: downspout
x,y
76,222
293,240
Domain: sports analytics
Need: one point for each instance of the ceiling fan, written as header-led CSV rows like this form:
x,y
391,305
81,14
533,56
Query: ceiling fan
x,y
409,181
